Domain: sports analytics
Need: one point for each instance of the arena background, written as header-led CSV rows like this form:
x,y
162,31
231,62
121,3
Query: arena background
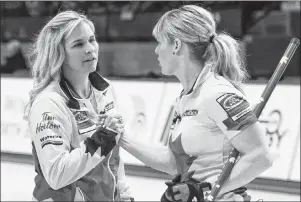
x,y
127,58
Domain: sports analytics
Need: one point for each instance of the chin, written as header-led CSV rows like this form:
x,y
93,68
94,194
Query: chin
x,y
166,72
92,68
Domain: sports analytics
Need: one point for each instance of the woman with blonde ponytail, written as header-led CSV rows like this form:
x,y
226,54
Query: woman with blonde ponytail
x,y
212,115
72,116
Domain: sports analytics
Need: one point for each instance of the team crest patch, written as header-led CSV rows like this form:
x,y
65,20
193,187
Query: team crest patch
x,y
234,105
80,116
84,123
239,111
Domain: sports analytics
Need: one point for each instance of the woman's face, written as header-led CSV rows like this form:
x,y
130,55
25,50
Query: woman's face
x,y
167,60
81,50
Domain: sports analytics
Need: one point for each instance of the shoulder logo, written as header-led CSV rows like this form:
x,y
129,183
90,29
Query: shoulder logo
x,y
230,101
234,105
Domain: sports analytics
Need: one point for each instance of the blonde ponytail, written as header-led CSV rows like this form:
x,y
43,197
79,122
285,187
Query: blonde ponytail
x,y
227,56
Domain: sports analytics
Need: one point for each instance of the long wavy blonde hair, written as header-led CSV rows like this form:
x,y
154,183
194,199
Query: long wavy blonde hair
x,y
47,54
195,25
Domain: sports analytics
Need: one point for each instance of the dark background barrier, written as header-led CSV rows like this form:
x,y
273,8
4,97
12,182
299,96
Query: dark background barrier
x,y
264,27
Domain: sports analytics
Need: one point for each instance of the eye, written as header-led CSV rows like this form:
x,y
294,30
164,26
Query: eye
x,y
92,39
78,44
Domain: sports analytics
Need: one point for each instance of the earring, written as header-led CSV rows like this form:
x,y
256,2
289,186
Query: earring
x,y
175,48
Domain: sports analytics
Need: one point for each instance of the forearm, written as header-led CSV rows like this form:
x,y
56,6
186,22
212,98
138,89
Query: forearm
x,y
156,156
246,169
63,169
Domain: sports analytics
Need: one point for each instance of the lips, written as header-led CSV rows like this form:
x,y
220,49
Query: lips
x,y
90,59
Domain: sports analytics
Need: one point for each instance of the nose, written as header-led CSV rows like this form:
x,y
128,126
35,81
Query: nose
x,y
89,48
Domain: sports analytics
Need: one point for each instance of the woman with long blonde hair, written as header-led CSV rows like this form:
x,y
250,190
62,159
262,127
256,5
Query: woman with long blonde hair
x,y
212,114
72,116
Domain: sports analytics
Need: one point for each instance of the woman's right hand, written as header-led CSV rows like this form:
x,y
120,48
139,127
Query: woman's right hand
x,y
113,122
107,134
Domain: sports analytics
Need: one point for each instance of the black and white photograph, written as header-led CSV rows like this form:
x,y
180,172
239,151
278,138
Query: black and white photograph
x,y
168,101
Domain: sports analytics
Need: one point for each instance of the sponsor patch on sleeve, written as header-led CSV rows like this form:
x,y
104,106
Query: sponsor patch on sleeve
x,y
48,122
240,113
51,139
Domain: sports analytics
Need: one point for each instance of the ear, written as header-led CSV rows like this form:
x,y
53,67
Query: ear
x,y
177,46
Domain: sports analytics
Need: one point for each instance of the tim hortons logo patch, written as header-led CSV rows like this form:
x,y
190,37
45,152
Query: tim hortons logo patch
x,y
234,105
48,122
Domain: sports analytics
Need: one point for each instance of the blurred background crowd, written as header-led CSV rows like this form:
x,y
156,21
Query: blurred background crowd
x,y
124,32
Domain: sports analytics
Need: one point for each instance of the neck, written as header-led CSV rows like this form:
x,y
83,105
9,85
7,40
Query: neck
x,y
188,74
79,82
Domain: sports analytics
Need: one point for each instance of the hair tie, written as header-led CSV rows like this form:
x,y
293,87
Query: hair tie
x,y
211,38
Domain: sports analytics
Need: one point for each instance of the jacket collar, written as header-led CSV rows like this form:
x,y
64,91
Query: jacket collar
x,y
202,77
97,81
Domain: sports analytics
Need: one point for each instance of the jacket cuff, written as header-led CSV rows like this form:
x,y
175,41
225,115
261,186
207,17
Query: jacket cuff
x,y
103,138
